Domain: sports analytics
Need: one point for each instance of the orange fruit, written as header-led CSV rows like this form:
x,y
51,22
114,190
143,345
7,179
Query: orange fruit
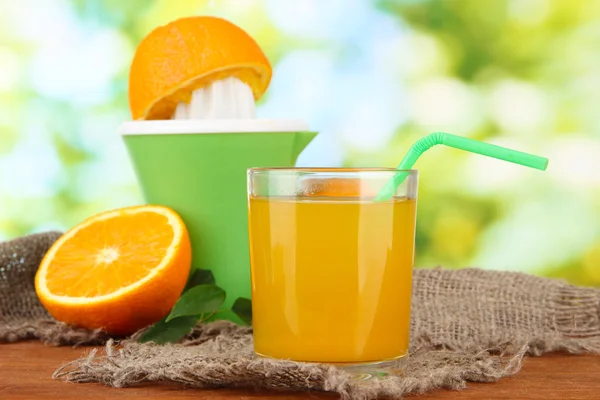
x,y
335,187
119,271
338,187
186,54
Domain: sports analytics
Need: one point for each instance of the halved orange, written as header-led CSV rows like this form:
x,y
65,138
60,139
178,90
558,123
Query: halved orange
x,y
175,59
119,271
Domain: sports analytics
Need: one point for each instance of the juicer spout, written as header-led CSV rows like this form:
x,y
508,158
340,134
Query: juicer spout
x,y
301,141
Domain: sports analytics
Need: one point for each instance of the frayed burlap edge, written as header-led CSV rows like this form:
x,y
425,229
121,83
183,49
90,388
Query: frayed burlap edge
x,y
131,363
53,333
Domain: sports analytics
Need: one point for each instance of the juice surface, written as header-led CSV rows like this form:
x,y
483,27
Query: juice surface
x,y
331,278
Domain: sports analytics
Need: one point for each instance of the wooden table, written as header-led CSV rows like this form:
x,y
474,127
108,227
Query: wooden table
x,y
26,369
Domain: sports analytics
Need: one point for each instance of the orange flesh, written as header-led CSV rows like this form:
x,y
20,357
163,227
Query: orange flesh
x,y
165,107
108,255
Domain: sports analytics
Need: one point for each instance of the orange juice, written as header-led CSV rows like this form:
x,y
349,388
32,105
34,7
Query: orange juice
x,y
331,278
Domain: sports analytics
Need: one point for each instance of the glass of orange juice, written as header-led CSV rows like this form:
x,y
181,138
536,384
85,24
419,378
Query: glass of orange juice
x,y
331,268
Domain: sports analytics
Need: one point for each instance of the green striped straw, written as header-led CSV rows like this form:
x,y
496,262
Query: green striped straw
x,y
458,142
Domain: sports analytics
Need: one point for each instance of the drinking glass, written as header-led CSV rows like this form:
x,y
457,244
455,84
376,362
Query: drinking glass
x,y
331,267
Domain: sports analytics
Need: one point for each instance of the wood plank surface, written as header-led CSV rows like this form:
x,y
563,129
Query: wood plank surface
x,y
26,369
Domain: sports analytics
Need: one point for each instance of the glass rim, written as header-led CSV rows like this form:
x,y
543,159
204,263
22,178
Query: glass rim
x,y
339,170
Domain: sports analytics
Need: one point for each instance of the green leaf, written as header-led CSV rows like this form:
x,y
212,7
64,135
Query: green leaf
x,y
200,277
198,300
242,307
167,332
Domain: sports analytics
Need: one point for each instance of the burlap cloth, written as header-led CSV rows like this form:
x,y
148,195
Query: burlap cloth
x,y
467,325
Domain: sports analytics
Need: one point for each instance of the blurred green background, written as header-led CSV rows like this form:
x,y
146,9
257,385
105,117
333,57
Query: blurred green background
x,y
372,77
